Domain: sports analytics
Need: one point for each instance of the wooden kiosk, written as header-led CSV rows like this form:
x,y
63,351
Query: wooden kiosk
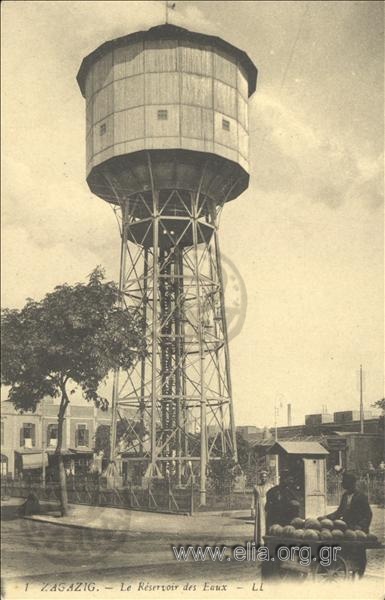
x,y
306,463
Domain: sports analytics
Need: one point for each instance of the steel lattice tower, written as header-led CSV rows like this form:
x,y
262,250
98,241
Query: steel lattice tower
x,y
167,147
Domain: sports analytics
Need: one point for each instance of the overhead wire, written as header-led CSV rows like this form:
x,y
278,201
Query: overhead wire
x,y
289,61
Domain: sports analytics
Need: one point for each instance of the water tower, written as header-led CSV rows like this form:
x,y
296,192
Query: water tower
x,y
167,147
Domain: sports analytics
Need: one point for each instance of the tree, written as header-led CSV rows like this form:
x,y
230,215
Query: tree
x,y
102,439
244,451
74,336
222,474
223,471
380,404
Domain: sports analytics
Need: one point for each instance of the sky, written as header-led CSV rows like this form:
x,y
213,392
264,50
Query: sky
x,y
307,237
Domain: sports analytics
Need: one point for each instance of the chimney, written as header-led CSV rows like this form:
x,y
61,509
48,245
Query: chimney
x,y
289,415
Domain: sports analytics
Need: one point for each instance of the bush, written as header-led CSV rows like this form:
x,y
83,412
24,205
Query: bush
x,y
221,477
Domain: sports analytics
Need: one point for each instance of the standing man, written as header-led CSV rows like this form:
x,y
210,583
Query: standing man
x,y
258,507
282,504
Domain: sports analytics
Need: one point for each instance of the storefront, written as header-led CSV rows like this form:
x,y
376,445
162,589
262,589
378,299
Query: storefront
x,y
30,464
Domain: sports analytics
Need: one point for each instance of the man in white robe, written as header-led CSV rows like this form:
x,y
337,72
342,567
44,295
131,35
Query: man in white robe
x,y
258,507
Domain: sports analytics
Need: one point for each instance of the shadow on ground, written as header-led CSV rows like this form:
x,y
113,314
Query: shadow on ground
x,y
9,513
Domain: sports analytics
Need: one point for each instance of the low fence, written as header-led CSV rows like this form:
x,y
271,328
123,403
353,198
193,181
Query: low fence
x,y
229,500
158,497
155,498
163,497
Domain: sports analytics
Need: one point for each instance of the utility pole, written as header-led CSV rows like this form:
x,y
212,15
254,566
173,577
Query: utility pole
x,y
42,450
361,403
275,422
276,440
289,415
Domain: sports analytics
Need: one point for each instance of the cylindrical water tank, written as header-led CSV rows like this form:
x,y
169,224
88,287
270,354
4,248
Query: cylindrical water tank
x,y
167,109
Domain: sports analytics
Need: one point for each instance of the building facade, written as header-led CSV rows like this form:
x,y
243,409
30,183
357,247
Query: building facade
x,y
28,440
339,433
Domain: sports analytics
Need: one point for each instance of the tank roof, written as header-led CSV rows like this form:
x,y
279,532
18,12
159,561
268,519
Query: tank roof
x,y
168,32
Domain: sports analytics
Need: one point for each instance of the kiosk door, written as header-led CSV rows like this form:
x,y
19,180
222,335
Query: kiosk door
x,y
315,486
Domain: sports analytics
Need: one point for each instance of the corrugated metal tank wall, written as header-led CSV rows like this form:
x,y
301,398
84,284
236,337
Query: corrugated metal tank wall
x,y
202,88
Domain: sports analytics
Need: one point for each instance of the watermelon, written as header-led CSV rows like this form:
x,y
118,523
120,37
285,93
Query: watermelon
x,y
313,524
337,534
371,537
299,533
325,534
350,534
275,530
361,535
339,524
327,524
289,531
310,534
298,523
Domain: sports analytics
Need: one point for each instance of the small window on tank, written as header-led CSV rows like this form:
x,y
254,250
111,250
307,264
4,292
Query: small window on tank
x,y
225,124
103,129
162,114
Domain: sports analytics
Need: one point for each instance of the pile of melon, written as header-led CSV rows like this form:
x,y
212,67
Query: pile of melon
x,y
320,529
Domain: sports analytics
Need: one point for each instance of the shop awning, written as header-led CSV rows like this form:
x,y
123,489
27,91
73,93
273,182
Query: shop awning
x,y
33,460
63,453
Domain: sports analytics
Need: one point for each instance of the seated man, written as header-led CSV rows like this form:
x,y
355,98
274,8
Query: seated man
x,y
282,504
31,506
354,507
